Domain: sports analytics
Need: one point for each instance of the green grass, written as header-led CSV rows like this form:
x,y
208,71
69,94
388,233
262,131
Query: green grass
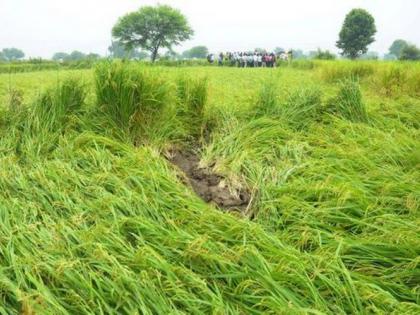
x,y
94,220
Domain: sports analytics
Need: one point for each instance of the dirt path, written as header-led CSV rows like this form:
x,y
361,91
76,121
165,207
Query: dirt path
x,y
208,185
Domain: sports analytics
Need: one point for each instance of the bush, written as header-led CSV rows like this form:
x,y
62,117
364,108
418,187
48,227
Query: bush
x,y
349,102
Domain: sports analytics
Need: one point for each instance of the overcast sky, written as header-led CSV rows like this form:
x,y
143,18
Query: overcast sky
x,y
43,27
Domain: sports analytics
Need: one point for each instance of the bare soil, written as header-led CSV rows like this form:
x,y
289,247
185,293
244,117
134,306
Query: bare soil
x,y
207,184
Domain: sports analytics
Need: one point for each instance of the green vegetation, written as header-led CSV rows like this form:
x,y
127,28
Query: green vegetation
x,y
28,66
11,54
410,52
198,52
324,55
95,220
357,33
152,28
397,47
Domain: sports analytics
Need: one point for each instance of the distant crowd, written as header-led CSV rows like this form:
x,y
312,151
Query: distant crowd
x,y
249,59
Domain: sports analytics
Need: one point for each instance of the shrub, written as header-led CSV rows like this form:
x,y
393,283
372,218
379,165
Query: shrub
x,y
349,102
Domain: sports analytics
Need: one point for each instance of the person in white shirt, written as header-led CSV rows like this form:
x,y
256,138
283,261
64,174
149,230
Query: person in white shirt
x,y
244,59
255,60
250,60
259,60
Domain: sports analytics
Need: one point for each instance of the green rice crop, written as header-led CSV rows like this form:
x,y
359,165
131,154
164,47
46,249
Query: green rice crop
x,y
95,220
192,96
330,72
349,102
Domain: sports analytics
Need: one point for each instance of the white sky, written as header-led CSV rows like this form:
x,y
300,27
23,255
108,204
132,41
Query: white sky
x,y
43,27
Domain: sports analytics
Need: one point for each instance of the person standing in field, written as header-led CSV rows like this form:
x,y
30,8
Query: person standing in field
x,y
244,60
210,58
269,61
290,55
220,59
250,60
274,59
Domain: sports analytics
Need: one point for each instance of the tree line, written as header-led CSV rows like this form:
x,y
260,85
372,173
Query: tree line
x,y
144,33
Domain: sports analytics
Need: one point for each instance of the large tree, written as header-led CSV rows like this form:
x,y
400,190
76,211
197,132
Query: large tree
x,y
357,33
152,28
397,47
13,54
410,52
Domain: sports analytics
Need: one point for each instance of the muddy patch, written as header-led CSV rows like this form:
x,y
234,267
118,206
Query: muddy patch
x,y
209,186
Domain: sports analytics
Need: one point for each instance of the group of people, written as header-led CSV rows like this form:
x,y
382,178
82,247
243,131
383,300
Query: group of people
x,y
249,59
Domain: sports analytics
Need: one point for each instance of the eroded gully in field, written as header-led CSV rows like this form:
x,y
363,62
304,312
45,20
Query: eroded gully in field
x,y
210,186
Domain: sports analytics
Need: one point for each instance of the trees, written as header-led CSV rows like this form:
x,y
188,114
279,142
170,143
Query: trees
x,y
410,52
324,55
397,47
279,50
390,57
152,28
370,55
260,50
298,54
11,54
60,56
93,56
76,55
199,52
118,50
403,50
357,33
140,55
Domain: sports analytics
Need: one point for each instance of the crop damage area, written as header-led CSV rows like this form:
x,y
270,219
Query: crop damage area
x,y
210,186
203,190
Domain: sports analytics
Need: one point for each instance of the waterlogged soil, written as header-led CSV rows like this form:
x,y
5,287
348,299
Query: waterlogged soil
x,y
208,185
